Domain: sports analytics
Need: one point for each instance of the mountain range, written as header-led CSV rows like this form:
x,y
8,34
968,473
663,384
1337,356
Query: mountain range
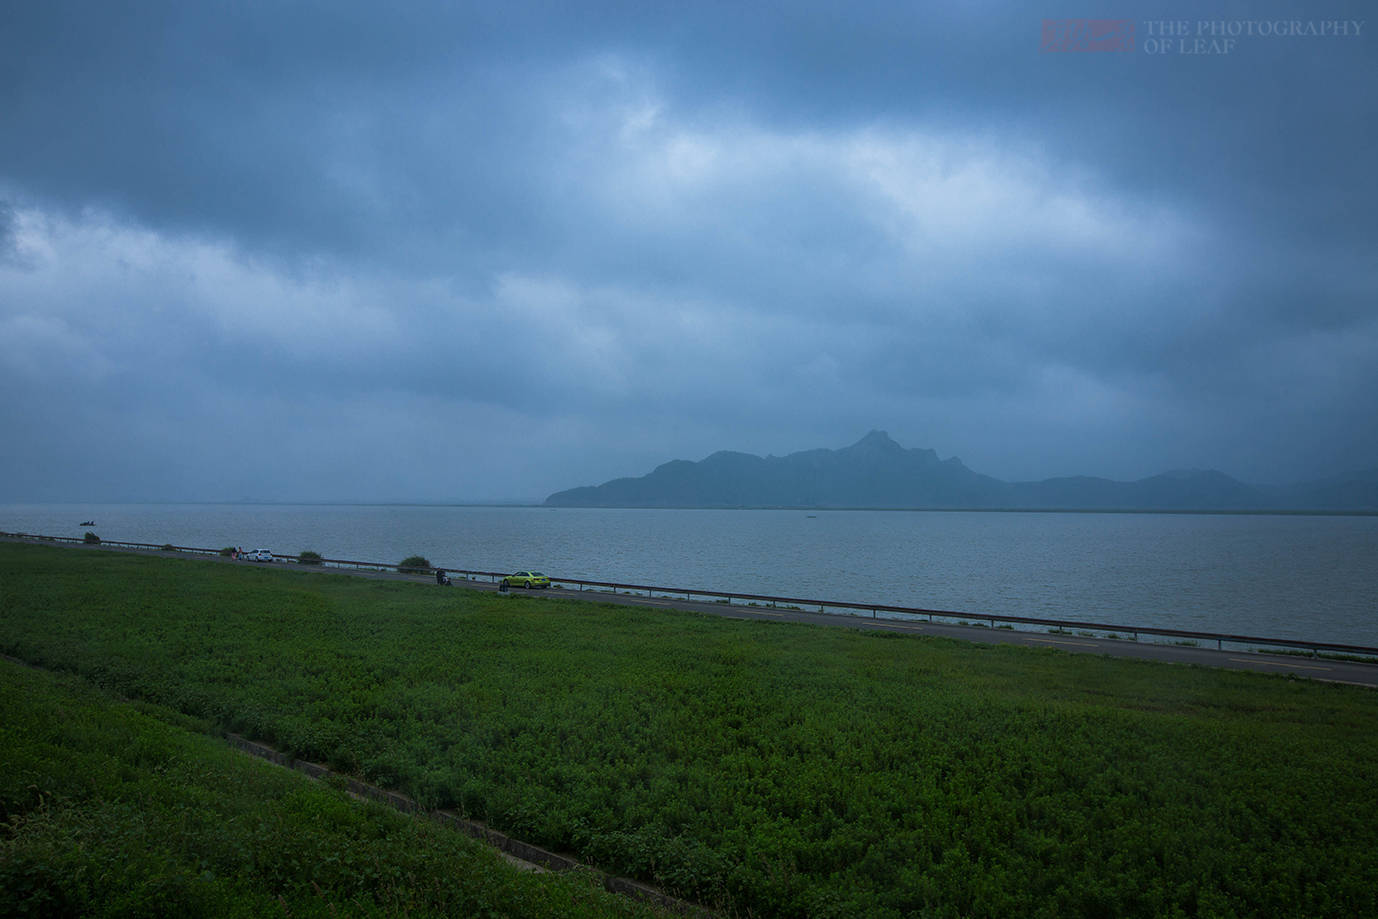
x,y
876,472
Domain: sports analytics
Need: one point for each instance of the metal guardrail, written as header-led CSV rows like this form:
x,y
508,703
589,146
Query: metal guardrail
x,y
823,606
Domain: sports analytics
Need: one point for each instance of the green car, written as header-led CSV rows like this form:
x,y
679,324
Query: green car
x,y
527,579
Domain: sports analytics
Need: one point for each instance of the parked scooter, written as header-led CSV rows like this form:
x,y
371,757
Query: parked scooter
x,y
441,577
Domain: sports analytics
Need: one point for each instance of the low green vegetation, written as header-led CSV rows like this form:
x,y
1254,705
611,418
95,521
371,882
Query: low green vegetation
x,y
308,557
110,809
1323,655
414,564
763,768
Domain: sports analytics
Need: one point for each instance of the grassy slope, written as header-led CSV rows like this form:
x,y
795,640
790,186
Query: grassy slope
x,y
781,770
110,809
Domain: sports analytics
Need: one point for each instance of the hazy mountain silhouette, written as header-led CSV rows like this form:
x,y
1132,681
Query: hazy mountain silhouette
x,y
877,472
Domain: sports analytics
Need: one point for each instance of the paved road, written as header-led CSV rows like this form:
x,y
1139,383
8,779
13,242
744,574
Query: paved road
x,y
1315,668
1359,674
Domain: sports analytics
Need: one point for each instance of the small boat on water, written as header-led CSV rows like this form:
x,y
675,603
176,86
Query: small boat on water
x,y
88,523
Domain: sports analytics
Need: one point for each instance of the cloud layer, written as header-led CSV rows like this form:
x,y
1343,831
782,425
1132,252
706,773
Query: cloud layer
x,y
319,252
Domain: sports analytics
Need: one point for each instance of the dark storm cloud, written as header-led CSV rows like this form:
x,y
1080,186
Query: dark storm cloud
x,y
9,243
505,249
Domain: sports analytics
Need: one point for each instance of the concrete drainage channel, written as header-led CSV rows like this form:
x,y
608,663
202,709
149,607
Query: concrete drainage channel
x,y
527,856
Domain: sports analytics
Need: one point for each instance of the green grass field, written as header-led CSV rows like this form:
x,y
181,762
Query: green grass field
x,y
764,769
113,809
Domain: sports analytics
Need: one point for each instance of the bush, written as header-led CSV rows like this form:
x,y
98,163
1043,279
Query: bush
x,y
307,557
168,547
414,564
91,539
228,551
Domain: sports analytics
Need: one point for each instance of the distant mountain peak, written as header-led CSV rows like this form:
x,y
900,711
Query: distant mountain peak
x,y
873,472
877,440
878,472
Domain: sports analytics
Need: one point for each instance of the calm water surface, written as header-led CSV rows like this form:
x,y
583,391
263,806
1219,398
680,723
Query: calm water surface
x,y
1284,576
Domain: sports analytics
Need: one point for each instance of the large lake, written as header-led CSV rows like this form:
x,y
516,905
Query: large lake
x,y
1279,576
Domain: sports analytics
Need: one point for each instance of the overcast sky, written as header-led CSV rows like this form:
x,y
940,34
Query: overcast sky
x,y
463,251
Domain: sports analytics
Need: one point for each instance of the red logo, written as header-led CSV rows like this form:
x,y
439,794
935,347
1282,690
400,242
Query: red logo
x,y
1088,35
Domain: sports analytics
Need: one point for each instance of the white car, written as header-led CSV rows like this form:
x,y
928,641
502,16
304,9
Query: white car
x,y
258,555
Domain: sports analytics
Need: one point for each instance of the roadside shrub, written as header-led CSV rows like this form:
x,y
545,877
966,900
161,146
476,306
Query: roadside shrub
x,y
91,539
228,551
414,564
307,557
168,547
